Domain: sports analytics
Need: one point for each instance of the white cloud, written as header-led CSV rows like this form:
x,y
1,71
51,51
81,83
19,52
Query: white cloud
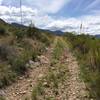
x,y
11,14
37,11
4,10
91,24
46,6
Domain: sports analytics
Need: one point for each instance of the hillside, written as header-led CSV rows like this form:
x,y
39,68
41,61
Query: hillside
x,y
17,47
36,64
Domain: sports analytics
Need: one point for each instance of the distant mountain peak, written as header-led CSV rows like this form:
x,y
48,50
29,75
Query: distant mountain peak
x,y
18,25
97,36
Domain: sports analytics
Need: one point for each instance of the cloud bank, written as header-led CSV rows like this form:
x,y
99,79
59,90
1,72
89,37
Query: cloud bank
x,y
40,12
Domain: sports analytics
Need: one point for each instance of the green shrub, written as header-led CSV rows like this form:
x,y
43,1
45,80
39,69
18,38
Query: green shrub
x,y
3,51
18,65
19,35
34,55
18,62
39,35
37,91
32,32
6,75
2,31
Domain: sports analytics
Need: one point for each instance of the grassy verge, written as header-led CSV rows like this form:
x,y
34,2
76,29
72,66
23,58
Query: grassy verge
x,y
87,50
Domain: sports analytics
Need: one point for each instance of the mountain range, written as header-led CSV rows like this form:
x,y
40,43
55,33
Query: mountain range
x,y
56,32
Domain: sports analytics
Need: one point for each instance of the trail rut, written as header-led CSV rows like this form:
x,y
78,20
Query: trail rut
x,y
76,87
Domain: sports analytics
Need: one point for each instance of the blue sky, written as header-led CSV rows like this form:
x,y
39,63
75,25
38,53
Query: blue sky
x,y
65,15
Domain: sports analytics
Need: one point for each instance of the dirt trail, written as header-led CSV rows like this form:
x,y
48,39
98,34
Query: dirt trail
x,y
23,87
74,88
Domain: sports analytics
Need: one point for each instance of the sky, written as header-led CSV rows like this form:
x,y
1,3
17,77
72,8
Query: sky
x,y
64,15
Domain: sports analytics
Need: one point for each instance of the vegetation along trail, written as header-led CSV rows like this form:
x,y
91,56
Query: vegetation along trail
x,y
23,87
58,72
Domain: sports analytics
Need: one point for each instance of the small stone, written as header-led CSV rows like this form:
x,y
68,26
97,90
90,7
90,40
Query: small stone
x,y
29,80
27,65
45,84
36,64
13,93
31,90
24,92
91,99
53,68
31,62
17,93
46,49
20,78
40,76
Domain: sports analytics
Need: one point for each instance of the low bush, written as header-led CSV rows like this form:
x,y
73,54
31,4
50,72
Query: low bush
x,y
6,75
18,62
2,31
6,51
19,34
32,32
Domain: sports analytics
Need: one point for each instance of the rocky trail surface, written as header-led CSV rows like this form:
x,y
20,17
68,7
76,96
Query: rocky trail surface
x,y
73,88
76,87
